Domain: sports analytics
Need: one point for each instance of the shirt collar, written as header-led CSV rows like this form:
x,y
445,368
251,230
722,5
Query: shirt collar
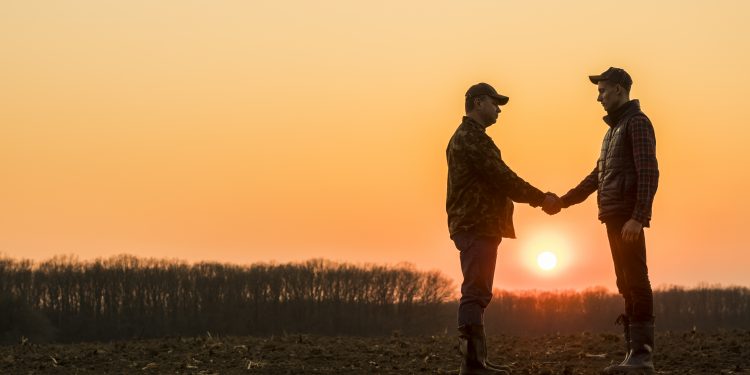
x,y
473,123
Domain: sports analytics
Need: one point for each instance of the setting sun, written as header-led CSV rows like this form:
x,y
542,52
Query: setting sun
x,y
546,260
547,255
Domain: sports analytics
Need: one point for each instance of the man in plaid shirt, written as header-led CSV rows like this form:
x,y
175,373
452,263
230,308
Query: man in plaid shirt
x,y
626,177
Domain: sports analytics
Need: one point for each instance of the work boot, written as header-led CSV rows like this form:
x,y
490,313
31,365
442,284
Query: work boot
x,y
623,320
491,365
473,348
640,357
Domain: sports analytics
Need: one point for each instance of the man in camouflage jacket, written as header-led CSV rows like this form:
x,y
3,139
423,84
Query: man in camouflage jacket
x,y
481,191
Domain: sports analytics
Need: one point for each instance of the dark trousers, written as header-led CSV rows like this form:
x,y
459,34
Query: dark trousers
x,y
478,256
631,271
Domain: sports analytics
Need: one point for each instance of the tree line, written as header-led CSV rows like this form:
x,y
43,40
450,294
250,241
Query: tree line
x,y
126,296
64,299
595,310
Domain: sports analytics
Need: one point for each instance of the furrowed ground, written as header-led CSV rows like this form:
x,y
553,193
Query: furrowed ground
x,y
711,353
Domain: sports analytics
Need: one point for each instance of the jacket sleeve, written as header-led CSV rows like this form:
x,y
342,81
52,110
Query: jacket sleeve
x,y
646,167
482,153
579,193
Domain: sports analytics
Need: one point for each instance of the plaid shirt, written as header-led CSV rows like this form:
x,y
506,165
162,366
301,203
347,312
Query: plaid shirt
x,y
643,143
644,155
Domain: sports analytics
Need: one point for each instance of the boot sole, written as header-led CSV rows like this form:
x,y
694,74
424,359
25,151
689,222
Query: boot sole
x,y
482,371
628,372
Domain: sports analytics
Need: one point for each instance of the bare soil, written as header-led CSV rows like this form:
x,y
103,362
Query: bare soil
x,y
710,353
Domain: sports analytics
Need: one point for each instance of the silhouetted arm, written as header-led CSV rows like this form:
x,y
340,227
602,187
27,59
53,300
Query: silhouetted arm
x,y
579,193
487,161
647,169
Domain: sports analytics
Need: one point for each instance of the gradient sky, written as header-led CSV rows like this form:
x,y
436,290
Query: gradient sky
x,y
259,131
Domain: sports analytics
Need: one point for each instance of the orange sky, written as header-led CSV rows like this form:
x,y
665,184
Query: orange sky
x,y
255,131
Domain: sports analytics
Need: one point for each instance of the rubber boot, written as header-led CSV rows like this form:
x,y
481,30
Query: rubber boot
x,y
623,320
491,365
473,351
640,357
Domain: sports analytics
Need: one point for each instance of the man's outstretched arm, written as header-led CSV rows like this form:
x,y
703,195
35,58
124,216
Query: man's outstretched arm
x,y
579,193
483,154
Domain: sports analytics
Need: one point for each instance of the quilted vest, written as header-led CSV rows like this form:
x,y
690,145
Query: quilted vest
x,y
617,175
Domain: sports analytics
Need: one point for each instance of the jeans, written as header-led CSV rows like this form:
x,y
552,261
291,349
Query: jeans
x,y
631,271
478,256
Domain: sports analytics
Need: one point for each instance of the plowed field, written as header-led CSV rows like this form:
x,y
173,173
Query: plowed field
x,y
586,353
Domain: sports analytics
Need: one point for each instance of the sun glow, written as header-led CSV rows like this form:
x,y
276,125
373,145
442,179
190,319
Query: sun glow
x,y
547,253
546,260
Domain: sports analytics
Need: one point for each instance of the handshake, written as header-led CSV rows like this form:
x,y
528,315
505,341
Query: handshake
x,y
552,204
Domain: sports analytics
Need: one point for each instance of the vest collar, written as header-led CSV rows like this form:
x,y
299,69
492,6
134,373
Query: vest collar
x,y
626,110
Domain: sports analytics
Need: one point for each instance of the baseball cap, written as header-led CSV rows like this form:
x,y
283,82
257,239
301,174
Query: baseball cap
x,y
485,89
614,75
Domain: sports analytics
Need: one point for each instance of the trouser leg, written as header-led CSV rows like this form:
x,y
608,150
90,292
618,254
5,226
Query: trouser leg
x,y
632,272
478,256
633,283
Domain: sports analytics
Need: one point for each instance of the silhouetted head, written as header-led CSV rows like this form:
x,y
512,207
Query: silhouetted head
x,y
483,103
614,88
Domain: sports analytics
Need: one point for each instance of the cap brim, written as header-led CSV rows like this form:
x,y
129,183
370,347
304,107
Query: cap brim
x,y
595,79
502,100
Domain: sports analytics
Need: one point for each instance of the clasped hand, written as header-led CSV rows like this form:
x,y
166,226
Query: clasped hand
x,y
552,204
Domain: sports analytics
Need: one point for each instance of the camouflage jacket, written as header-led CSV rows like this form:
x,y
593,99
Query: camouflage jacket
x,y
481,187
